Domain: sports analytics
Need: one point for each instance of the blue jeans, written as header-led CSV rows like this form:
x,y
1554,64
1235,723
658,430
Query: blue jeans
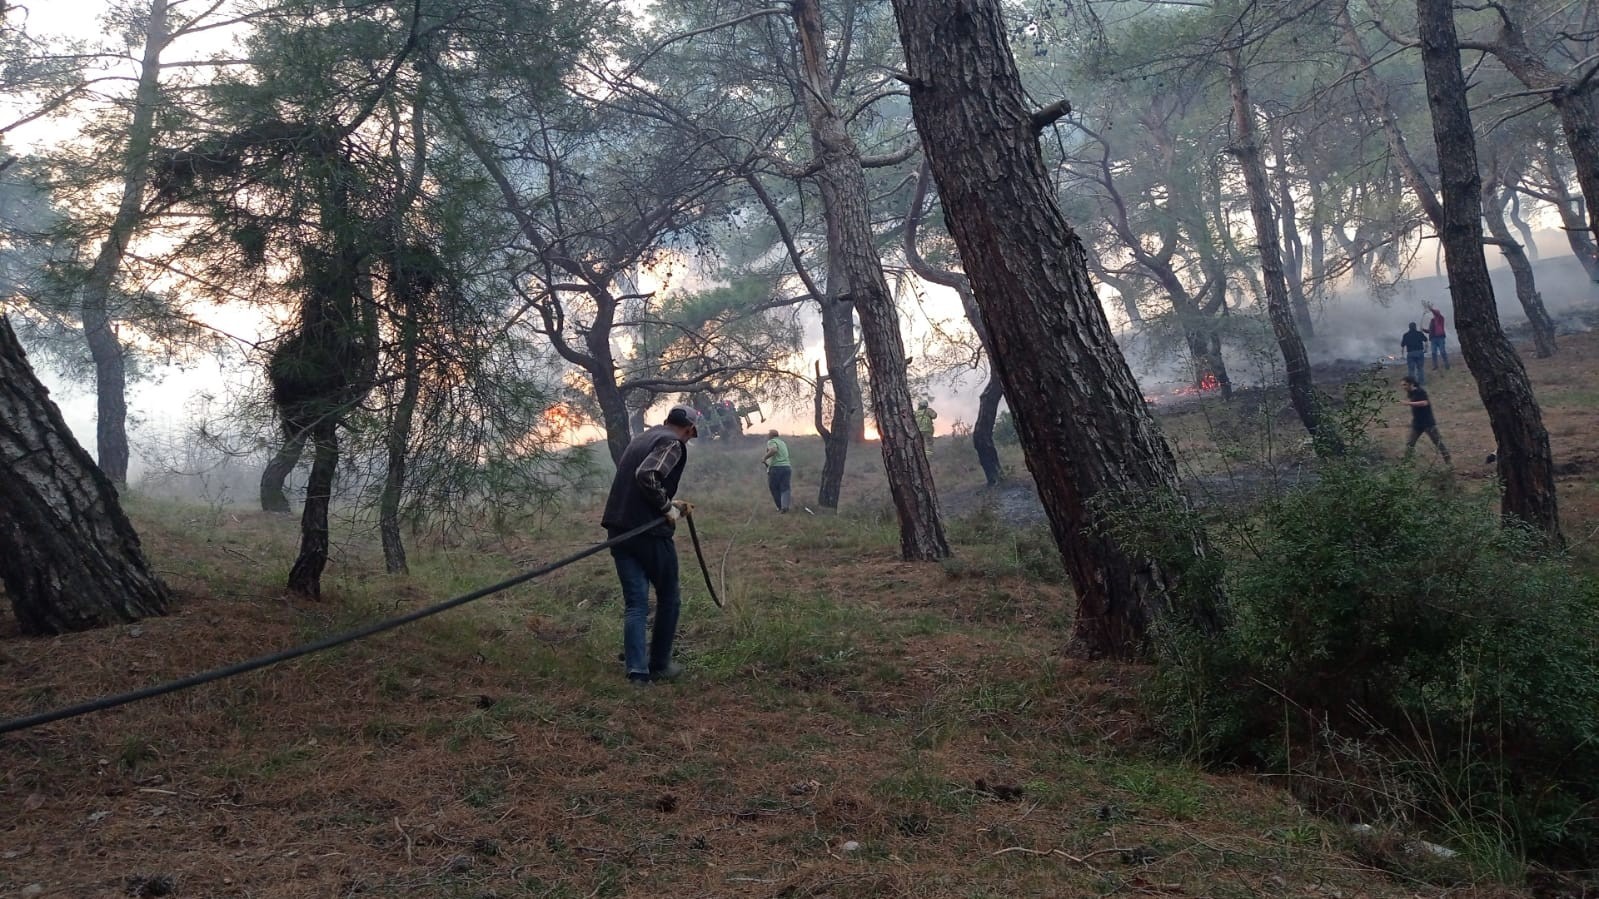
x,y
640,563
1440,347
1416,366
780,481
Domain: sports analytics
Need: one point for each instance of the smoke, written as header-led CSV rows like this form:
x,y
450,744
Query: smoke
x,y
1363,324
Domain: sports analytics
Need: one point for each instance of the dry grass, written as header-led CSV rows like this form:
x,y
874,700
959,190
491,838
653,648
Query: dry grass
x,y
922,712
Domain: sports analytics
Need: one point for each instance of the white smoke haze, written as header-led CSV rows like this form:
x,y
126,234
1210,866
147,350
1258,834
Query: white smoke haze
x,y
1355,323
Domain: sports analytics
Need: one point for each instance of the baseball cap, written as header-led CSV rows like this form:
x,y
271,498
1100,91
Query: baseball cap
x,y
684,417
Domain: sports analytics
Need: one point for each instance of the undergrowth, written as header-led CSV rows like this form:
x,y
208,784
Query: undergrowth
x,y
1402,654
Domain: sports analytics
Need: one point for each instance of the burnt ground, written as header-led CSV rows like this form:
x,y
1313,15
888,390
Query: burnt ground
x,y
1235,452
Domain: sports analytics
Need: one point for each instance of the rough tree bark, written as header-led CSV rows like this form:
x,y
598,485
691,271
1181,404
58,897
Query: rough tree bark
x,y
69,558
1085,432
845,203
99,331
305,577
1526,470
1246,147
838,346
1493,214
993,391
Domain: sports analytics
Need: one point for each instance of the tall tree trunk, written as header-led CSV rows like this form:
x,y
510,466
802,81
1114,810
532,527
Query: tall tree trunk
x,y
398,442
305,577
1513,215
838,346
613,408
99,330
993,391
1293,244
835,447
69,558
1084,428
1301,386
983,427
1525,468
273,497
845,203
1493,213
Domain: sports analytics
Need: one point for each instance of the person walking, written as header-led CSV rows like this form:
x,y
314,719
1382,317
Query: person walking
x,y
1439,335
645,490
924,423
779,473
1422,420
1414,343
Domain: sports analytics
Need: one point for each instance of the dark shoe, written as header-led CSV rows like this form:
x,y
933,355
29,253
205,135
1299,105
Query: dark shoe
x,y
672,671
638,680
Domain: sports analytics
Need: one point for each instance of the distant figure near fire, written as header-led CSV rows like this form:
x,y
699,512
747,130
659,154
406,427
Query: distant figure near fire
x,y
1415,346
1439,336
924,423
1422,420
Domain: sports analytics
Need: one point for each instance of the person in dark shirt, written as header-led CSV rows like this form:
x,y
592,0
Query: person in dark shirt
x,y
1422,420
643,491
1414,344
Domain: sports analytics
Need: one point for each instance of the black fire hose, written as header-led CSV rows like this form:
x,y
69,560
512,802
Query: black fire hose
x,y
350,636
699,553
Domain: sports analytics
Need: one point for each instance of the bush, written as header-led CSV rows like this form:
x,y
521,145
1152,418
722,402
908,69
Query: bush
x,y
1382,611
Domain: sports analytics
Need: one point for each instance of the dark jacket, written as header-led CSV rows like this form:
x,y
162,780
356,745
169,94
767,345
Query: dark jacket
x,y
639,496
1414,342
1421,417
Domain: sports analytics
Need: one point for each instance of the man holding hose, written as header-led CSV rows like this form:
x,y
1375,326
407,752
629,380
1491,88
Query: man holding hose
x,y
646,482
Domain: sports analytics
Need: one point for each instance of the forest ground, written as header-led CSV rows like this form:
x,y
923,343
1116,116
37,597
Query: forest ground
x,y
926,714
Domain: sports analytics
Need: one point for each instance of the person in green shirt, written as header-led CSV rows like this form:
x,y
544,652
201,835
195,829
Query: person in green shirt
x,y
924,423
779,473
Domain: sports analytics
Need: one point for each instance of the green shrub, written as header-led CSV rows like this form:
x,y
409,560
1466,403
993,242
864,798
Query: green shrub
x,y
1385,616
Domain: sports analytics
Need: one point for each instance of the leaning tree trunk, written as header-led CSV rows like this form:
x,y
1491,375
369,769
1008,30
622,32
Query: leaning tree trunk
x,y
1301,384
838,346
845,204
105,348
1512,207
1581,241
399,449
306,576
1543,327
69,558
983,427
1526,470
273,496
993,391
1085,432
